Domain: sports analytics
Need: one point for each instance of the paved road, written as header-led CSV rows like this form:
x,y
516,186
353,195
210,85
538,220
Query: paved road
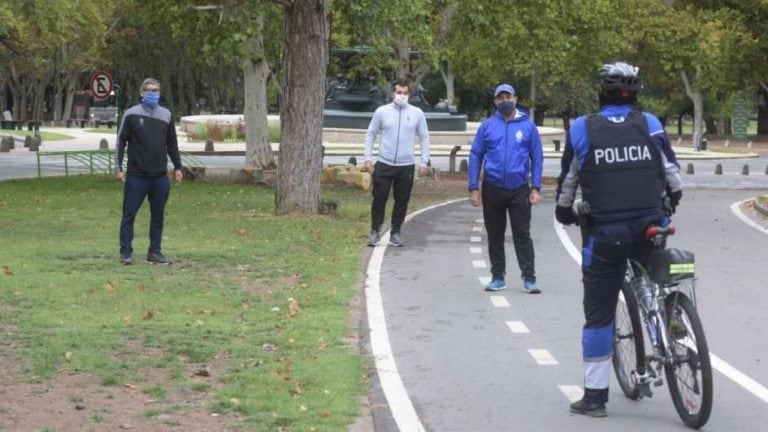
x,y
466,369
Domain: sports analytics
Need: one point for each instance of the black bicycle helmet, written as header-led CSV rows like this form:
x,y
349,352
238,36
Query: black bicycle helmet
x,y
620,76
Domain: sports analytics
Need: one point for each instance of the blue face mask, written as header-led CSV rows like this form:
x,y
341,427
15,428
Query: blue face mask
x,y
150,99
506,108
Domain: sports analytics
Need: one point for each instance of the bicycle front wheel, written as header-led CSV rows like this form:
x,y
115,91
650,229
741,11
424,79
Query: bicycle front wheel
x,y
628,346
689,374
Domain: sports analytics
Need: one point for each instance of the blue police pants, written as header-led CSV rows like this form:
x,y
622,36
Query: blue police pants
x,y
136,189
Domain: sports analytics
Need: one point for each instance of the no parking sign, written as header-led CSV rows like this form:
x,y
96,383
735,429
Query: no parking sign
x,y
101,85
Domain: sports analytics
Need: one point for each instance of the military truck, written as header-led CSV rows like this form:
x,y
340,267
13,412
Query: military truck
x,y
104,112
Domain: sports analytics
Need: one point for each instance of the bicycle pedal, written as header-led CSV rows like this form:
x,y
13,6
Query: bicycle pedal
x,y
645,391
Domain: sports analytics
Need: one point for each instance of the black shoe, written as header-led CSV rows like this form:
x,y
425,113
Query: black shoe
x,y
373,238
126,258
395,240
588,409
157,258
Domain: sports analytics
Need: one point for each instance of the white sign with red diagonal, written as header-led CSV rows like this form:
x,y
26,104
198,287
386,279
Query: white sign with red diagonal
x,y
101,85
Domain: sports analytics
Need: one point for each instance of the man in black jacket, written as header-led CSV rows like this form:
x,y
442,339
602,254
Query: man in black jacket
x,y
148,132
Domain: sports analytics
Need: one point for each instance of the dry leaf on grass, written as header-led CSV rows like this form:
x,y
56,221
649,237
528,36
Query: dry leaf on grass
x,y
293,307
7,270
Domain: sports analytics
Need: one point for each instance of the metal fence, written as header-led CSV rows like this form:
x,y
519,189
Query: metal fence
x,y
96,161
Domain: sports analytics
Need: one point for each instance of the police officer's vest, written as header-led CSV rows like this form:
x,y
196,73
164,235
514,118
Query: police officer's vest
x,y
623,170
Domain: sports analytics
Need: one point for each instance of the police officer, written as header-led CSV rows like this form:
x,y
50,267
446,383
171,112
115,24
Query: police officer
x,y
624,163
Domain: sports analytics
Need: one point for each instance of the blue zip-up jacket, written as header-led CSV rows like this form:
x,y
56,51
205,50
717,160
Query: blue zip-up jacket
x,y
511,151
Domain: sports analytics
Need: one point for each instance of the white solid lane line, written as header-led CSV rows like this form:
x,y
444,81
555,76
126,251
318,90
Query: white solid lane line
x,y
517,327
542,357
392,386
736,209
739,377
500,301
718,364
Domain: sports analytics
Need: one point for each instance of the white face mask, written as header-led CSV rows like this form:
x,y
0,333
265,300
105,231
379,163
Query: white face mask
x,y
400,100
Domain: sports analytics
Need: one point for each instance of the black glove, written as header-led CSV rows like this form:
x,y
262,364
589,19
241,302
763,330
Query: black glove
x,y
674,199
566,215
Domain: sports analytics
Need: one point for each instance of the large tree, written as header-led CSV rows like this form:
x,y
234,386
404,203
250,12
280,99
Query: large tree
x,y
305,47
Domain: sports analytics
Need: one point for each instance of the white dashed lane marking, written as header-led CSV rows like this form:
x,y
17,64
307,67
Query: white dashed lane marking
x,y
542,357
518,327
499,301
475,239
477,229
572,392
484,280
478,263
475,250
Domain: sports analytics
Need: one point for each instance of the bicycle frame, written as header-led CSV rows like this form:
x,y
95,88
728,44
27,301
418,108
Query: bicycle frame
x,y
655,321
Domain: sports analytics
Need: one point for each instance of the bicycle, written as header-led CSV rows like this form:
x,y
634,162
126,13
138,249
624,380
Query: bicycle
x,y
662,295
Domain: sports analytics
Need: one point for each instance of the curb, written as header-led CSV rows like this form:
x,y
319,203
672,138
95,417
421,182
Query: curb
x,y
761,208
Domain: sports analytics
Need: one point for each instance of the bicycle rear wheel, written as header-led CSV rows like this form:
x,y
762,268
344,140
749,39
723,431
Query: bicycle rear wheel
x,y
689,374
628,346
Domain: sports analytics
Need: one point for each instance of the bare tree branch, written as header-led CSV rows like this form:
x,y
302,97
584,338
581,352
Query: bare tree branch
x,y
764,86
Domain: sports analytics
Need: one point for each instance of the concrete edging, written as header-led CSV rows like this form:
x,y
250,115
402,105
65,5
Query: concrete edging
x,y
761,208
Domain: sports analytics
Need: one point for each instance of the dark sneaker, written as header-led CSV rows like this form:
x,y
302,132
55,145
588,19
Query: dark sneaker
x,y
395,240
588,409
531,287
126,258
157,258
373,238
496,285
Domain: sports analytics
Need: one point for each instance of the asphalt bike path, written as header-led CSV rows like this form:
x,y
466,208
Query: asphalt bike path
x,y
470,360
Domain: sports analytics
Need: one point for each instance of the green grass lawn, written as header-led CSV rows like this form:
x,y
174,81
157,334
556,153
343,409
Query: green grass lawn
x,y
271,295
45,136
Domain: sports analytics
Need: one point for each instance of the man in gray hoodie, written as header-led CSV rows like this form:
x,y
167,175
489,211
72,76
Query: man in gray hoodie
x,y
399,123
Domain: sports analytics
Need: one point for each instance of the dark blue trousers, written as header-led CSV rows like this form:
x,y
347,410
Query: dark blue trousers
x,y
136,189
498,204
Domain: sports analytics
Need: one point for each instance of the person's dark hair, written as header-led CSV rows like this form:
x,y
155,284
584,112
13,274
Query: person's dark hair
x,y
619,83
401,83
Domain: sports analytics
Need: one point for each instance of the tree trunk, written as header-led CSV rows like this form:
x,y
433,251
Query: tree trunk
x,y
403,55
167,90
258,152
449,78
697,97
532,113
70,85
762,111
301,113
710,125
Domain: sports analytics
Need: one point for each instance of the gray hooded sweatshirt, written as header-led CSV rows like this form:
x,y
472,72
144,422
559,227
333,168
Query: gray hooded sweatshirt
x,y
398,126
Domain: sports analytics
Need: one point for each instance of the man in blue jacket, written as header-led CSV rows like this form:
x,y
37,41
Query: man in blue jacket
x,y
398,122
509,146
623,162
